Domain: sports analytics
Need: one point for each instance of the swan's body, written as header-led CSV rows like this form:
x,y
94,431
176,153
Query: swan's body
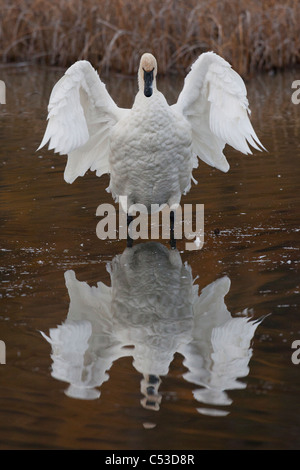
x,y
150,160
151,149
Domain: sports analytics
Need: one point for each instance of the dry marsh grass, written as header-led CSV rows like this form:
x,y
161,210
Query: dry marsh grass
x,y
112,34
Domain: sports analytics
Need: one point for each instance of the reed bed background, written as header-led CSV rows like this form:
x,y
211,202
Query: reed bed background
x,y
112,34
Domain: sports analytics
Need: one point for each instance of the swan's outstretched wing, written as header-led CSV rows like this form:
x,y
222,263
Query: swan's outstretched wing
x,y
81,114
214,101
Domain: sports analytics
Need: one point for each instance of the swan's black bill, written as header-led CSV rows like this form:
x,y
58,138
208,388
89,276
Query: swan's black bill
x,y
148,80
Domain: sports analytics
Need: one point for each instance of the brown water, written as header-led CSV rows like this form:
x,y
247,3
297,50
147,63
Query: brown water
x,y
198,400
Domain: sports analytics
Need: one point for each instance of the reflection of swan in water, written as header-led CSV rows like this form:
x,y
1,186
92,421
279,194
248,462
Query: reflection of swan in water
x,y
220,350
151,311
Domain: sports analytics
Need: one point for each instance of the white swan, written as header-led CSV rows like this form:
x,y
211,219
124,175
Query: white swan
x,y
153,306
151,149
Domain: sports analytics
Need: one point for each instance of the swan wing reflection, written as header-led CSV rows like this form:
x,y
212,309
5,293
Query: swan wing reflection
x,y
220,351
84,347
151,311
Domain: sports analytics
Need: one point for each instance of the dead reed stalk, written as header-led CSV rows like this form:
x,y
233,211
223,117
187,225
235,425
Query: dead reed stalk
x,y
251,34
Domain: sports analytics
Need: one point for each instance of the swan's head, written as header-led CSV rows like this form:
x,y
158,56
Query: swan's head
x,y
147,74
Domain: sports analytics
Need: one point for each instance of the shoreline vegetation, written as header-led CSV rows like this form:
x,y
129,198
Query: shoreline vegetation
x,y
261,35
